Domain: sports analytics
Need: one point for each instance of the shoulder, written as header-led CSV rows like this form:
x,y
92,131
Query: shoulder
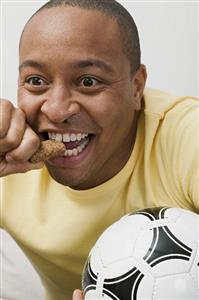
x,y
171,129
162,103
176,117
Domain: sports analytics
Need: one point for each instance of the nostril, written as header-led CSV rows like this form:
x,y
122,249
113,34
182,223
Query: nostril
x,y
60,111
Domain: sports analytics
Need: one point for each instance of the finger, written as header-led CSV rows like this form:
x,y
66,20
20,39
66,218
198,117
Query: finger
x,y
15,131
29,144
5,115
17,167
77,295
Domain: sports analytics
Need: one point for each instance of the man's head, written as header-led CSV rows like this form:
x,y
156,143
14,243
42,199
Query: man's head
x,y
78,82
111,8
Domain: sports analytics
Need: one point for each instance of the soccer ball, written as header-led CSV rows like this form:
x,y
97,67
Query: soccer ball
x,y
149,254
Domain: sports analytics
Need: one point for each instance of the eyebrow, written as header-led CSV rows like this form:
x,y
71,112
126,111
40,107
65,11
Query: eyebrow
x,y
31,63
93,63
79,64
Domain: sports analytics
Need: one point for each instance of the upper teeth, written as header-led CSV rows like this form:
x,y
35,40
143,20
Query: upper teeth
x,y
66,137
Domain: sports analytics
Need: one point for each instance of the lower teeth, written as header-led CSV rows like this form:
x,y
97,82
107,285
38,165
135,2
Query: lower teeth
x,y
76,151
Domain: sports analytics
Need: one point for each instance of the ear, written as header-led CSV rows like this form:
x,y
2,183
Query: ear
x,y
138,82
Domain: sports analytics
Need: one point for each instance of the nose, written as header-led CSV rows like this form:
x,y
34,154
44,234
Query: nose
x,y
60,105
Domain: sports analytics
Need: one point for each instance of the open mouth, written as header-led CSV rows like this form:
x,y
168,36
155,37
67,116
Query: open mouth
x,y
75,143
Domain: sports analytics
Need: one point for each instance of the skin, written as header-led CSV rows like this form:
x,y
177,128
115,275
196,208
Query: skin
x,y
60,47
106,109
77,295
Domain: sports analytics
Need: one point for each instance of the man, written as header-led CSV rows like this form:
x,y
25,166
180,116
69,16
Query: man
x,y
81,82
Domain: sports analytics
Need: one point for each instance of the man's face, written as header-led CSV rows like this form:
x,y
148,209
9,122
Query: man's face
x,y
75,85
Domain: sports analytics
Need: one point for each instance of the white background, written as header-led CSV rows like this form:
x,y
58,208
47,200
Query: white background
x,y
168,33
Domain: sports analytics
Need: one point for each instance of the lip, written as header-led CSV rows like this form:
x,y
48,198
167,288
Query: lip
x,y
72,161
63,130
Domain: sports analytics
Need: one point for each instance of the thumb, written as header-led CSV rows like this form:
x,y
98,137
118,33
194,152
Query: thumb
x,y
77,295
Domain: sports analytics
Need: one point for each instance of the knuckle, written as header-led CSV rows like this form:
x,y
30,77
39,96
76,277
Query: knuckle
x,y
35,142
26,148
2,132
5,102
20,113
11,142
5,112
32,138
5,107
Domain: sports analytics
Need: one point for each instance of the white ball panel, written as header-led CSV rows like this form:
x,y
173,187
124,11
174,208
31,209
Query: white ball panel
x,y
186,226
175,287
119,268
93,295
115,245
143,243
172,214
118,242
170,266
146,287
95,260
194,272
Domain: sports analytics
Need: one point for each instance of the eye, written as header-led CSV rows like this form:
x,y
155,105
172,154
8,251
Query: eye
x,y
89,82
36,81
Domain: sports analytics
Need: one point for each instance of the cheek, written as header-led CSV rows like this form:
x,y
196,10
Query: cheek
x,y
105,116
30,104
114,116
25,101
104,107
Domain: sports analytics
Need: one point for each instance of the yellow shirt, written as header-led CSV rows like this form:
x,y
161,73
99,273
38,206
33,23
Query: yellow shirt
x,y
57,226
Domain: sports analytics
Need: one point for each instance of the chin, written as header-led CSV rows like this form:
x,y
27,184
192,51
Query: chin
x,y
67,178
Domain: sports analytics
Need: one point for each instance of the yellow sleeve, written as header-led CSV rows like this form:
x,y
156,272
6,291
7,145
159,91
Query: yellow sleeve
x,y
188,159
180,147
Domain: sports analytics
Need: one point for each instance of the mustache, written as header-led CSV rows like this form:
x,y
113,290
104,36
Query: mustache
x,y
74,119
77,122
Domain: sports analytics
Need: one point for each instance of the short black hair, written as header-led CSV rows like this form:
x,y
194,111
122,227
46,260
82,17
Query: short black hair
x,y
113,9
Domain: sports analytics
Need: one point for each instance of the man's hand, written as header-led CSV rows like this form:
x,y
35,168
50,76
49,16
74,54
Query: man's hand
x,y
17,141
77,295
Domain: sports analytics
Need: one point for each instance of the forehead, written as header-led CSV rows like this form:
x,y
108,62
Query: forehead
x,y
67,27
